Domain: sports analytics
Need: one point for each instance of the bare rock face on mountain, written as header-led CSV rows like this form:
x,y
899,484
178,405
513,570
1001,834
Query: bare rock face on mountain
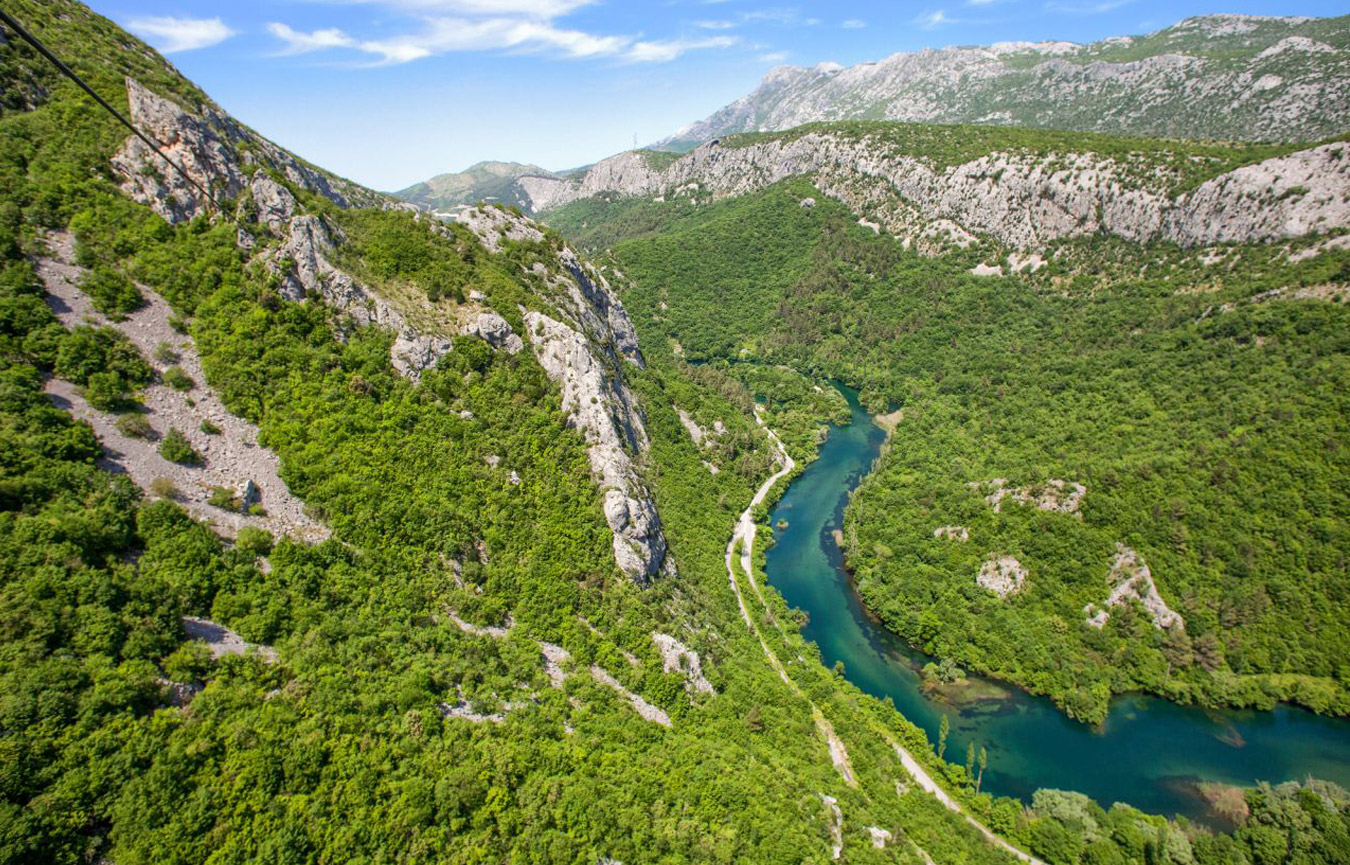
x,y
303,264
1214,76
206,145
602,408
1022,199
584,352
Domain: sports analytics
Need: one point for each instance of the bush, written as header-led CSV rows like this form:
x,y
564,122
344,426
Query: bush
x,y
165,353
180,381
254,540
177,449
106,391
135,425
223,498
210,428
164,488
190,662
112,293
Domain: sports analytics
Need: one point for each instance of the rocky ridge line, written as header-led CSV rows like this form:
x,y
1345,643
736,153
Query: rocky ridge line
x,y
1252,77
1022,200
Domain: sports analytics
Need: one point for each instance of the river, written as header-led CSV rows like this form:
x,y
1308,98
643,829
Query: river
x,y
1149,753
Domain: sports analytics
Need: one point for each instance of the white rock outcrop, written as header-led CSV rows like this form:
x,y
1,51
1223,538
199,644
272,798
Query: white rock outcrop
x,y
1002,575
496,332
1131,580
303,264
1059,496
601,407
677,658
205,143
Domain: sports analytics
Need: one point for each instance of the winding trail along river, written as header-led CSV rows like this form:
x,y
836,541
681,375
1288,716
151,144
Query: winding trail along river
x,y
1149,753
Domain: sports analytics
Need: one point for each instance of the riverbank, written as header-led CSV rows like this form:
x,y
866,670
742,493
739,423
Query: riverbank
x,y
1146,752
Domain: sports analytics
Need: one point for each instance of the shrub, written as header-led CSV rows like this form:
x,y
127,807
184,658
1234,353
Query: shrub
x,y
135,425
180,381
112,293
190,662
165,353
223,498
106,391
164,488
210,428
178,323
254,540
177,449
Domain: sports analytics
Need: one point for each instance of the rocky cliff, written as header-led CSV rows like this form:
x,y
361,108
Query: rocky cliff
x,y
1215,76
584,349
1023,197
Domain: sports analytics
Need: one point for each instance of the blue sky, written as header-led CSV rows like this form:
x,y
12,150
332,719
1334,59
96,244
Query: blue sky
x,y
389,92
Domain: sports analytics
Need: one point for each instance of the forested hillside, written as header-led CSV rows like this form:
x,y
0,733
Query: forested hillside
x,y
520,640
1201,406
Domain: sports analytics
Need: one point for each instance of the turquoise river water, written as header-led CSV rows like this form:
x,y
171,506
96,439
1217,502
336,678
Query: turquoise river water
x,y
1149,753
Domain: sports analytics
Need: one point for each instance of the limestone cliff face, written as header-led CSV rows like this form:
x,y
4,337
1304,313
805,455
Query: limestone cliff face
x,y
584,350
1022,200
215,151
303,263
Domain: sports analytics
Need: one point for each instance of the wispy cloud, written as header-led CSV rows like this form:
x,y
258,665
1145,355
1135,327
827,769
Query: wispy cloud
x,y
933,20
544,9
172,35
1098,8
715,25
441,35
854,24
662,52
298,42
784,16
773,57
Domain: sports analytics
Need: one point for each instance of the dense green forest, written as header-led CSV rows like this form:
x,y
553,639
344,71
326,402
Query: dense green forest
x,y
1209,428
336,752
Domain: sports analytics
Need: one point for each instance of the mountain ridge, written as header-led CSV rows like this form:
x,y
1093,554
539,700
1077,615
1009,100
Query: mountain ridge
x,y
1262,77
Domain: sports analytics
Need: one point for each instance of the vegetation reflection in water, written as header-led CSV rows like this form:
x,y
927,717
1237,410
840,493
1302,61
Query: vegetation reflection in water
x,y
1149,753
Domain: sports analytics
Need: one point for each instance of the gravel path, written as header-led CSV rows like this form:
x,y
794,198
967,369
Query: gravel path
x,y
232,457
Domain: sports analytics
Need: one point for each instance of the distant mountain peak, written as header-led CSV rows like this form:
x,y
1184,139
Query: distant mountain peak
x,y
1226,76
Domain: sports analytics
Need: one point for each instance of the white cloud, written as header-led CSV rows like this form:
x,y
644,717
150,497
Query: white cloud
x,y
180,34
662,52
781,16
932,20
774,57
854,24
542,9
298,42
495,25
1086,8
445,35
